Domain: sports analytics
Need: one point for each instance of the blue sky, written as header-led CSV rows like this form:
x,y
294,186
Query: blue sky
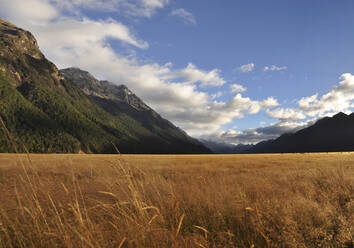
x,y
290,61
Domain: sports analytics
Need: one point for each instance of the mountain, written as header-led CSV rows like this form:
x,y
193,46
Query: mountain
x,y
242,148
122,103
225,148
219,147
330,134
42,111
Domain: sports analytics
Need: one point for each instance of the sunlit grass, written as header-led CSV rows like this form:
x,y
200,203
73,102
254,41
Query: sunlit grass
x,y
299,200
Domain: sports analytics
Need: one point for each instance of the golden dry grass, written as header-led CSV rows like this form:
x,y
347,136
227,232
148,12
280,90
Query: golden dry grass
x,y
299,200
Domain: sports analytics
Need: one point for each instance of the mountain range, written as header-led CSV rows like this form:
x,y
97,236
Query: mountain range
x,y
46,110
226,148
329,134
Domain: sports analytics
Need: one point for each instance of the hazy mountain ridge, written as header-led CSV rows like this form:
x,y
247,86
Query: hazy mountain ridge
x,y
225,148
329,134
45,112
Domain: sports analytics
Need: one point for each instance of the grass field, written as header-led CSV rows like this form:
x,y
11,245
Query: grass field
x,y
281,200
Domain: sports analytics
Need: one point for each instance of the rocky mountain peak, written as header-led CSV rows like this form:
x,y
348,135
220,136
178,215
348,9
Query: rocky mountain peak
x,y
82,79
15,39
340,115
19,50
103,89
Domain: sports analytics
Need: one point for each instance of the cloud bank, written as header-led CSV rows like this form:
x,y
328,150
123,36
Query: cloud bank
x,y
309,109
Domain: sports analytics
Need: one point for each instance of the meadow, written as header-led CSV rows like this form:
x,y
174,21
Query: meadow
x,y
278,200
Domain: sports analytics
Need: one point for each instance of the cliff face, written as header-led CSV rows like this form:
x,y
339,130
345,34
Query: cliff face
x,y
45,112
103,89
19,53
18,41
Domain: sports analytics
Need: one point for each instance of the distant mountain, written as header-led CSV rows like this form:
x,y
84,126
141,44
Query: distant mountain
x,y
225,148
330,134
241,148
219,147
44,112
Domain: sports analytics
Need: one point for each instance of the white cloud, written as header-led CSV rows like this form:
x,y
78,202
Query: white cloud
x,y
270,102
255,135
29,11
144,8
247,67
340,98
185,15
237,88
274,68
55,30
286,114
193,75
210,117
66,33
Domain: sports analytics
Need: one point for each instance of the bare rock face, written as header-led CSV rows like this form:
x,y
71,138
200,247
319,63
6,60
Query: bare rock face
x,y
17,39
104,89
19,50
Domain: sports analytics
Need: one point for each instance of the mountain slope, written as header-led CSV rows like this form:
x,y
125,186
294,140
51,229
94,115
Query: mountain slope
x,y
333,134
22,119
45,112
30,76
120,102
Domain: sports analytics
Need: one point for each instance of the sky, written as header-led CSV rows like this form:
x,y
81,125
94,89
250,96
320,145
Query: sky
x,y
234,71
